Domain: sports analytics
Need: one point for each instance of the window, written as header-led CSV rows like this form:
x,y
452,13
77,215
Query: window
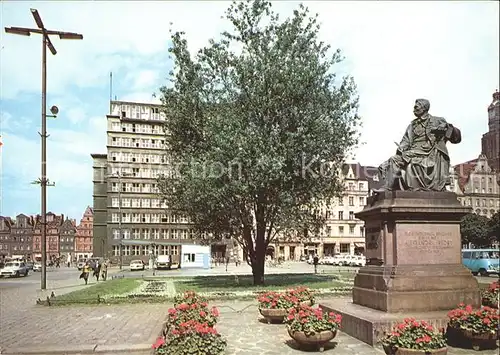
x,y
136,234
361,186
341,201
351,229
328,214
115,217
328,231
136,250
175,250
116,250
361,201
351,214
189,258
351,201
126,234
362,231
126,250
156,233
114,202
345,248
341,215
341,230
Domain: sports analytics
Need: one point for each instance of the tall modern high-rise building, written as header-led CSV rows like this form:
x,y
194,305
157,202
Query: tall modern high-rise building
x,y
490,142
128,211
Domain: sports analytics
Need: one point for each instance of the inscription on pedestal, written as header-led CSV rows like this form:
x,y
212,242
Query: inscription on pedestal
x,y
428,244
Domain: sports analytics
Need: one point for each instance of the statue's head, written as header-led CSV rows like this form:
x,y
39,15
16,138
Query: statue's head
x,y
421,107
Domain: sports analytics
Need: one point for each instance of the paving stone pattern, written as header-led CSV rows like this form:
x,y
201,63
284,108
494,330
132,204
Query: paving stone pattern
x,y
24,325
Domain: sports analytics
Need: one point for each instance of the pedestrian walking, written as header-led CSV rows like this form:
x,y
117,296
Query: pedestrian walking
x,y
97,270
85,272
104,270
315,262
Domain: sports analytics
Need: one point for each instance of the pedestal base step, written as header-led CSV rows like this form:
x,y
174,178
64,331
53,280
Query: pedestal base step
x,y
369,325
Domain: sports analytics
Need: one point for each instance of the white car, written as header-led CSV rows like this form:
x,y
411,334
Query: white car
x,y
137,265
327,260
37,267
339,260
14,269
358,260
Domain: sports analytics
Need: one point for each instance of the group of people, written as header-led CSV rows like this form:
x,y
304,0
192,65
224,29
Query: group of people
x,y
99,270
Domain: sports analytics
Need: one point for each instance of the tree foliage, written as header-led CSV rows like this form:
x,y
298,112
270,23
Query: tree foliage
x,y
258,126
494,227
475,229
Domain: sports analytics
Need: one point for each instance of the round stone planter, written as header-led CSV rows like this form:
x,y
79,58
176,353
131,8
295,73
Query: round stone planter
x,y
466,339
402,351
274,315
317,340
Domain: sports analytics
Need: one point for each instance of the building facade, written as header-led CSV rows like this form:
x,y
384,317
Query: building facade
x,y
5,227
67,241
128,211
54,223
490,142
84,235
21,236
342,233
476,185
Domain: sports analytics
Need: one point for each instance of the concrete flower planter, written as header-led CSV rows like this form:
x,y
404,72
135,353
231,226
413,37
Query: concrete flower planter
x,y
317,340
402,351
274,315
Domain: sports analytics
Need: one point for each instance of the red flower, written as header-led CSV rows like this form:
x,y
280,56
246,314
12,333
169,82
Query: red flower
x,y
215,312
203,314
486,321
159,342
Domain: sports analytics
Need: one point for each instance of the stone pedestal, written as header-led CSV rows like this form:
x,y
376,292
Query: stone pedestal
x,y
414,259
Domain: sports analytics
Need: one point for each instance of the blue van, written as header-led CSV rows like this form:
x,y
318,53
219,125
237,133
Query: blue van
x,y
481,261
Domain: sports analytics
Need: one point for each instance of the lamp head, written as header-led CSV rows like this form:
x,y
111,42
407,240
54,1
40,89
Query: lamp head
x,y
54,110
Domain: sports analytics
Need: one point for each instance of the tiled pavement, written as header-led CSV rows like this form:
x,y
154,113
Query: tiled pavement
x,y
82,329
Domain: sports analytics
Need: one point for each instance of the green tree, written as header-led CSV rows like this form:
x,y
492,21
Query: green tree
x,y
258,126
494,227
474,229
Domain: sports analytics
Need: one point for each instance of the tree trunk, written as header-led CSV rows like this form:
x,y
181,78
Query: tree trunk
x,y
258,269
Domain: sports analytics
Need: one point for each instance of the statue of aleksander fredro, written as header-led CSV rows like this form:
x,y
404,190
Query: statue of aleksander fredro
x,y
421,162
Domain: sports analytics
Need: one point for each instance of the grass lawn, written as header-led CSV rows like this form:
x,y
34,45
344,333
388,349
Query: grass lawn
x,y
245,282
89,294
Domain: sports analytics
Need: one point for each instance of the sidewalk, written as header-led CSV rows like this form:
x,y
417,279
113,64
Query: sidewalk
x,y
26,328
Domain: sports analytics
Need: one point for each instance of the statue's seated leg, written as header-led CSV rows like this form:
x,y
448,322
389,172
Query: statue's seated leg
x,y
392,176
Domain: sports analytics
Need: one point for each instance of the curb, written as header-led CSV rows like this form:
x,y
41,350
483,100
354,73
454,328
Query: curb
x,y
92,349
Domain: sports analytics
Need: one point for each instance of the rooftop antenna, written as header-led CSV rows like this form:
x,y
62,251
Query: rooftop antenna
x,y
110,90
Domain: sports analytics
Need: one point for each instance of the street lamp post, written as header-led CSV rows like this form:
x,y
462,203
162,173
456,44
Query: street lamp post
x,y
43,181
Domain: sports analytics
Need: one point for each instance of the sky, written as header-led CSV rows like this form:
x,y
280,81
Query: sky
x,y
447,52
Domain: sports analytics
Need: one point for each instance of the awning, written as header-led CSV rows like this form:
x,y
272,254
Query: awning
x,y
359,245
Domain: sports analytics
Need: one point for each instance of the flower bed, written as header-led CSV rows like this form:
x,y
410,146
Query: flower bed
x,y
490,296
311,327
274,305
480,321
190,328
414,335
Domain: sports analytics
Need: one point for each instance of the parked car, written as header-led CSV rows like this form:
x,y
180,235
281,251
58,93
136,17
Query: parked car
x,y
37,267
14,268
339,260
163,262
358,260
137,265
327,260
481,261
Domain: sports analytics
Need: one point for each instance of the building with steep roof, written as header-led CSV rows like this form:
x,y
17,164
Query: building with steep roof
x,y
490,142
54,223
476,185
6,224
84,236
67,241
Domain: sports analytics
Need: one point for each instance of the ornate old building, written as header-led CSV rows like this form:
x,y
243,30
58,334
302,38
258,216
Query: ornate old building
x,y
67,242
490,142
54,223
5,227
84,235
476,185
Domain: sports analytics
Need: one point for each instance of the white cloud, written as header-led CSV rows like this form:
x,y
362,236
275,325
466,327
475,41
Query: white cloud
x,y
447,52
